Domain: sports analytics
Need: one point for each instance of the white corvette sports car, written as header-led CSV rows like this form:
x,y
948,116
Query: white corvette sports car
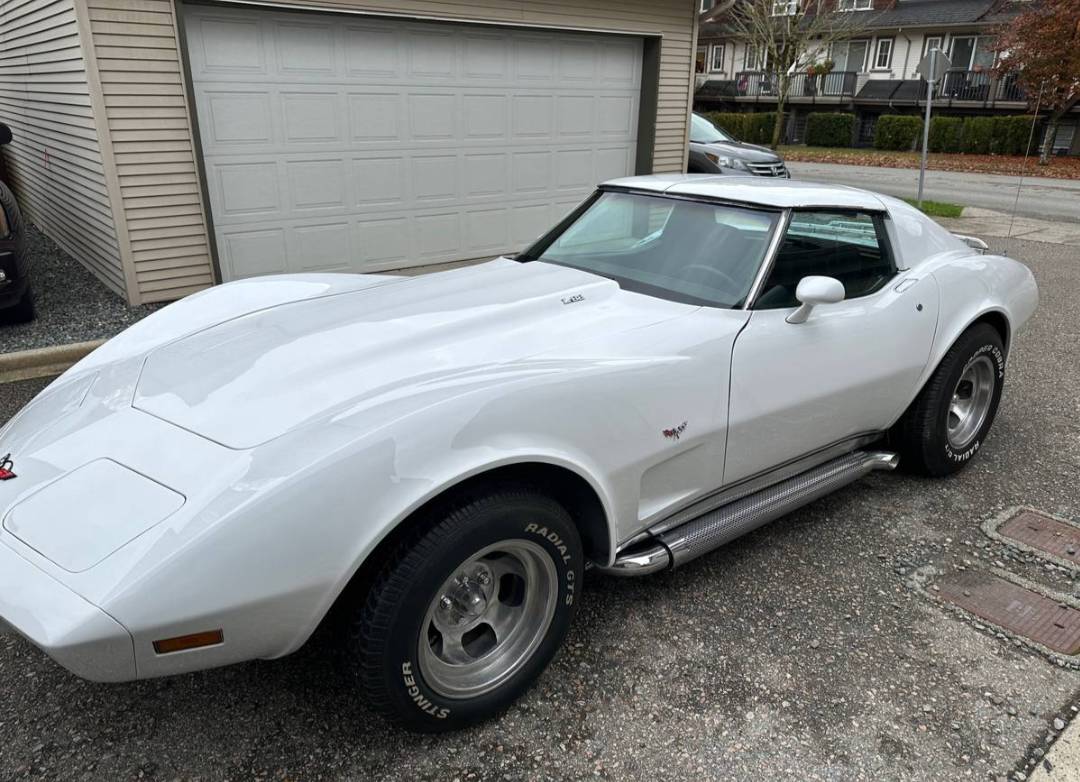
x,y
430,462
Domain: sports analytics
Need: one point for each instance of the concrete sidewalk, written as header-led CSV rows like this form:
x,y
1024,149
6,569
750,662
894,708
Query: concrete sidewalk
x,y
1040,197
991,223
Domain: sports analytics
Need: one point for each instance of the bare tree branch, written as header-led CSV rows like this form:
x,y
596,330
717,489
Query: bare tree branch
x,y
788,37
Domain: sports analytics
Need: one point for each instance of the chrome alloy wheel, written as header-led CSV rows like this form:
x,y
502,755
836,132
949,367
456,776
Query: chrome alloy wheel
x,y
970,401
488,618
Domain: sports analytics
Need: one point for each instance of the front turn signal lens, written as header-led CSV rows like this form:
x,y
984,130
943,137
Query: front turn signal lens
x,y
194,641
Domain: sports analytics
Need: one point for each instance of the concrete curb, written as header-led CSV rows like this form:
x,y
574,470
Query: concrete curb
x,y
43,362
1062,762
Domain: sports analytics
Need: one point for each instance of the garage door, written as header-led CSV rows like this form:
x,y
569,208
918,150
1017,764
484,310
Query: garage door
x,y
351,144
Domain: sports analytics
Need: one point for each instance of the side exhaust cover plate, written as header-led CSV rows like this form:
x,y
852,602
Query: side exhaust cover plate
x,y
722,525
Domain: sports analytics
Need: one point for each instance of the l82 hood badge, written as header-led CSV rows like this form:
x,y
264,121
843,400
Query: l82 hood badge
x,y
6,467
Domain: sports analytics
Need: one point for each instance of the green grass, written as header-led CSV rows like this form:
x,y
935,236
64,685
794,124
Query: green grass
x,y
938,208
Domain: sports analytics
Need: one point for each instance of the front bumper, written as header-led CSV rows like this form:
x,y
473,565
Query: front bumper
x,y
78,635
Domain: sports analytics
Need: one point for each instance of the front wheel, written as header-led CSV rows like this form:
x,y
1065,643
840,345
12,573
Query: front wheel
x,y
950,419
464,616
22,311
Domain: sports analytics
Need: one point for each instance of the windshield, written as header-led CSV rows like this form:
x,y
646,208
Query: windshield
x,y
704,132
688,251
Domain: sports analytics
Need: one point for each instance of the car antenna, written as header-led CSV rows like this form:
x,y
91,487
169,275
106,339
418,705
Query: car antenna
x,y
1023,165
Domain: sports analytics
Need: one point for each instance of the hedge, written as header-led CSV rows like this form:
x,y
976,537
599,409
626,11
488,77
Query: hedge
x,y
1010,135
946,134
753,128
897,132
829,129
980,135
978,132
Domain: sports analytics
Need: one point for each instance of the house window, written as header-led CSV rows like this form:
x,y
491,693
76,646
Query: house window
x,y
706,5
961,50
883,56
855,5
755,59
716,58
850,55
699,59
932,42
785,7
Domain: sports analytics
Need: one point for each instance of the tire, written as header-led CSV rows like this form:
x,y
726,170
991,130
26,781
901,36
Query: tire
x,y
424,649
22,311
936,439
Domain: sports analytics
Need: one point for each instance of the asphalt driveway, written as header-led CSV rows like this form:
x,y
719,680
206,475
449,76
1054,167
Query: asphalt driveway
x,y
804,651
1041,197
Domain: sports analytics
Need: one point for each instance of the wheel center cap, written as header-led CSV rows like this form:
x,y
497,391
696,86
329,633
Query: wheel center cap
x,y
465,602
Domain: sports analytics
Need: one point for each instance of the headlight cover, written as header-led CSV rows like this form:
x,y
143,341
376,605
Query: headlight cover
x,y
726,161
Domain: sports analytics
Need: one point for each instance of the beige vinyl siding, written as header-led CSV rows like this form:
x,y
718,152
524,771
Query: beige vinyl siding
x,y
136,45
147,117
55,163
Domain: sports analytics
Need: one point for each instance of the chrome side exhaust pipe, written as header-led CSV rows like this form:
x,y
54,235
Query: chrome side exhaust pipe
x,y
671,548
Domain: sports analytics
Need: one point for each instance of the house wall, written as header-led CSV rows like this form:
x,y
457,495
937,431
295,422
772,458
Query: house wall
x,y
136,44
56,164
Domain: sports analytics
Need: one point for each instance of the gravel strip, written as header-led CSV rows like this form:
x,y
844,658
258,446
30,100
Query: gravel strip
x,y
72,305
804,651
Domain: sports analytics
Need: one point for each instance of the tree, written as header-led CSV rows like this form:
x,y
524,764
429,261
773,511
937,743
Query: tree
x,y
789,37
1041,47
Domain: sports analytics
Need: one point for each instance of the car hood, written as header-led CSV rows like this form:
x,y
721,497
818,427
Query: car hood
x,y
251,379
751,153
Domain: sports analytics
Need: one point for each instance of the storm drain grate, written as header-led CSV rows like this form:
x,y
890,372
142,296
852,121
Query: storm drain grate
x,y
1015,608
1056,538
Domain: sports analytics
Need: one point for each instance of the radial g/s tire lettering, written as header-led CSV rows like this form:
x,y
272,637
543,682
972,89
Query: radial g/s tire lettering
x,y
466,613
948,422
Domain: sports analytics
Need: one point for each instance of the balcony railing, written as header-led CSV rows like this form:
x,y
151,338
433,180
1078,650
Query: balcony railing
x,y
980,87
761,84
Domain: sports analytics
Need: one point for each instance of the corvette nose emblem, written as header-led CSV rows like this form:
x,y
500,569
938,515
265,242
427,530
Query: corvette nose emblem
x,y
675,432
6,465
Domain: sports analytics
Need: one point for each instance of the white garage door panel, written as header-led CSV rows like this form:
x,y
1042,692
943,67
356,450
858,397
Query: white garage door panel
x,y
337,144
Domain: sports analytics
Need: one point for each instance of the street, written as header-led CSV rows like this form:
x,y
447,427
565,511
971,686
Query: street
x,y
807,650
1039,197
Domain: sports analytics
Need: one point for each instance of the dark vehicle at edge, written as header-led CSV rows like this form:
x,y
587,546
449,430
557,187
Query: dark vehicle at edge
x,y
16,299
715,151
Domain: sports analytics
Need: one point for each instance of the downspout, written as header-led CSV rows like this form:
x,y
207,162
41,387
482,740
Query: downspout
x,y
907,53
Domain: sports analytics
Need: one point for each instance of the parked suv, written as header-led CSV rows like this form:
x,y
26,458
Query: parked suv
x,y
712,151
16,301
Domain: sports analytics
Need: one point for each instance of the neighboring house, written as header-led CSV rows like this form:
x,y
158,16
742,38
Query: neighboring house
x,y
874,72
168,145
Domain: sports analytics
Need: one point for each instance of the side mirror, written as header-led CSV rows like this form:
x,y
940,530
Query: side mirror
x,y
5,134
813,291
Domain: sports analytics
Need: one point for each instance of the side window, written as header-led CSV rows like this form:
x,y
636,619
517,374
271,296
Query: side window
x,y
849,246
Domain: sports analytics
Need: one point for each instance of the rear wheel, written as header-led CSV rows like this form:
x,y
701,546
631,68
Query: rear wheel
x,y
466,614
950,419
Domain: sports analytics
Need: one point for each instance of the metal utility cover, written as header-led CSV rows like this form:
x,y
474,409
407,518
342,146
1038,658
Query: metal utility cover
x,y
1044,533
1019,610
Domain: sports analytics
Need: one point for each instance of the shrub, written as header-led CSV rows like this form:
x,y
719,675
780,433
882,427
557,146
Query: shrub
x,y
733,123
1009,135
829,129
945,134
753,128
897,131
977,134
